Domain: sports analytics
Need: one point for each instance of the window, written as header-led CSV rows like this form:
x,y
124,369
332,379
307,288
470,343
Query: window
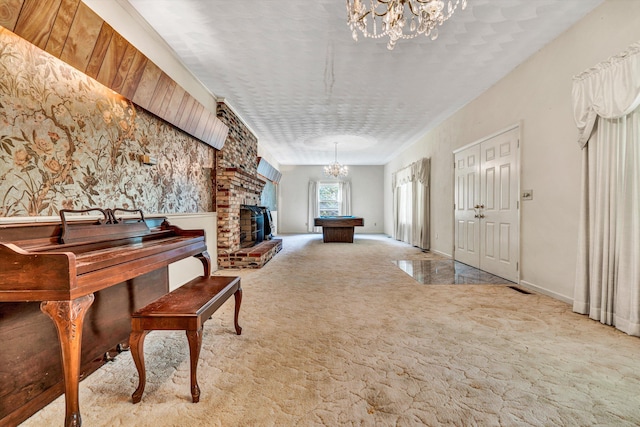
x,y
329,199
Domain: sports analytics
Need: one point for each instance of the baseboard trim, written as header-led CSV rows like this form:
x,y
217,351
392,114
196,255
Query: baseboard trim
x,y
547,292
435,251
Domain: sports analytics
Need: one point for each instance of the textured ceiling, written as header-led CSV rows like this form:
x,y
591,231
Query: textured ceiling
x,y
293,73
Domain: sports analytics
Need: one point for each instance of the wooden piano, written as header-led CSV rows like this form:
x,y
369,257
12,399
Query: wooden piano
x,y
87,276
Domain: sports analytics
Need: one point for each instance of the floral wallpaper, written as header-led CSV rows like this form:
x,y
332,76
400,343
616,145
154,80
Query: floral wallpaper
x,y
68,142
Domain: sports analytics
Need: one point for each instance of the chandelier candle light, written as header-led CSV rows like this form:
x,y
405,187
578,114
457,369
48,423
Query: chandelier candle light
x,y
335,169
425,15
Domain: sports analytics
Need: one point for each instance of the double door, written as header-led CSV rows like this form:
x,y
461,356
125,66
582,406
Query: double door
x,y
486,205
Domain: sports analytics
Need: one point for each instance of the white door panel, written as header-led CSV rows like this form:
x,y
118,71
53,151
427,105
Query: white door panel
x,y
486,214
467,194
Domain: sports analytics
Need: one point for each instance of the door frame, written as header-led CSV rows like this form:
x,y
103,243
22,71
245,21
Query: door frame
x,y
517,125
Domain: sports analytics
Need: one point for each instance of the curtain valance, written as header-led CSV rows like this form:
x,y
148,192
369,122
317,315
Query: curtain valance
x,y
416,171
609,90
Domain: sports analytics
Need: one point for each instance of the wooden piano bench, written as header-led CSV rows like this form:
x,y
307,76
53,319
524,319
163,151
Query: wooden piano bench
x,y
185,308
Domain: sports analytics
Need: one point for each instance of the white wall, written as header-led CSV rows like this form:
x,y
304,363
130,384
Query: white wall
x,y
366,196
180,272
537,94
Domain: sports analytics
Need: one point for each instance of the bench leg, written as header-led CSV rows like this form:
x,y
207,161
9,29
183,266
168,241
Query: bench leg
x,y
195,343
238,297
136,344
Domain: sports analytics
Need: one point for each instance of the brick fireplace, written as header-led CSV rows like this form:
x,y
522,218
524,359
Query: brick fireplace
x,y
237,183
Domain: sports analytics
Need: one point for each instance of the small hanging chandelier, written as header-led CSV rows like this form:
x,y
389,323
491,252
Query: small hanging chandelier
x,y
425,15
335,169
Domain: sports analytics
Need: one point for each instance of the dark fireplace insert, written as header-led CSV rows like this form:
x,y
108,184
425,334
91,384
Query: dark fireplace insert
x,y
255,225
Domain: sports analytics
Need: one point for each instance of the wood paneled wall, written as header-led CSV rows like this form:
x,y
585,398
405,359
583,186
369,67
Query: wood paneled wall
x,y
72,32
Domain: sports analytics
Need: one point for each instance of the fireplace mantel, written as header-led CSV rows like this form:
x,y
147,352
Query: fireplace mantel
x,y
251,182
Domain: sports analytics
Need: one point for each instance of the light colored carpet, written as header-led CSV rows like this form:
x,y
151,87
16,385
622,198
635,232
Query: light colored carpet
x,y
336,334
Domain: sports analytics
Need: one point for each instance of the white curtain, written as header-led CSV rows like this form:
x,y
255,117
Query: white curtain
x,y
345,200
314,210
606,100
411,203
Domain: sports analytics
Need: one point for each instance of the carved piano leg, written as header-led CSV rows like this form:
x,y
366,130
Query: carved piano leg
x,y
136,345
205,259
195,343
238,299
68,316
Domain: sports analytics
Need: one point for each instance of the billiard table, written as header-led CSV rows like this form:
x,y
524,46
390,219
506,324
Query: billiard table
x,y
338,228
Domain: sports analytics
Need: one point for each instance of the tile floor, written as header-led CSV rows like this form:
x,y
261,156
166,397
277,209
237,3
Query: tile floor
x,y
448,272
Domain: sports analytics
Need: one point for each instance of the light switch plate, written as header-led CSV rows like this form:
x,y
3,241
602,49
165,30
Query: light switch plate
x,y
527,195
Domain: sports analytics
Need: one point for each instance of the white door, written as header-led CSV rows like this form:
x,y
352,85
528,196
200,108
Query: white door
x,y
467,197
486,206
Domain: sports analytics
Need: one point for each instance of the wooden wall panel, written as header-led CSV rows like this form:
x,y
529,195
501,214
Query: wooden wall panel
x,y
75,34
219,135
9,12
202,124
123,70
146,88
112,59
36,20
190,113
61,27
173,108
164,84
134,75
192,124
82,38
208,130
99,50
164,106
184,110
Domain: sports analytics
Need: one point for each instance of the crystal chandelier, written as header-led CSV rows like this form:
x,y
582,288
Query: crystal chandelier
x,y
335,169
424,16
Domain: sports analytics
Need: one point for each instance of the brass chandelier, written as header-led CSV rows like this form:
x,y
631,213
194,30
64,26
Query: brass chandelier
x,y
424,16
